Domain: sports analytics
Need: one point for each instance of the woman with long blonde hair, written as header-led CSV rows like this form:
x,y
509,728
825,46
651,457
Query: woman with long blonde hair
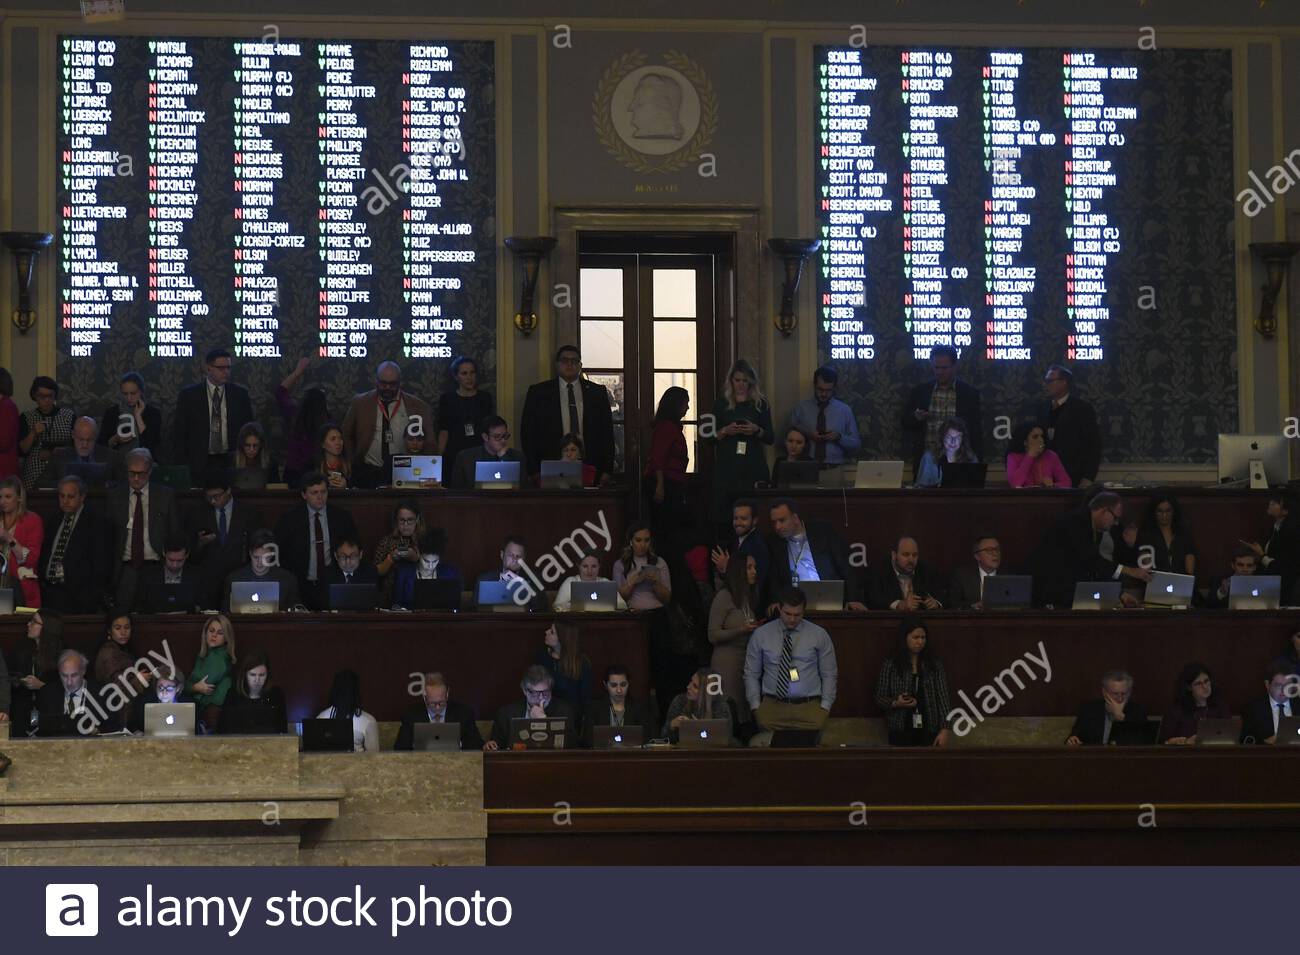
x,y
742,430
212,676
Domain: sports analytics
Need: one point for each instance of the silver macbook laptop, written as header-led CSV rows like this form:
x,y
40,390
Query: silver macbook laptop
x,y
1008,592
600,596
502,475
879,474
413,470
248,596
169,719
615,737
562,475
1251,592
1170,590
436,737
823,594
548,733
703,734
6,600
1096,595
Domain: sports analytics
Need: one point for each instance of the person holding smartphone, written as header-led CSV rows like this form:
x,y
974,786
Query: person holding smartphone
x,y
913,690
742,428
400,546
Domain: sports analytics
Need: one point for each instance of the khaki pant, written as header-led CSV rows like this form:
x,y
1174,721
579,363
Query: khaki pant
x,y
775,715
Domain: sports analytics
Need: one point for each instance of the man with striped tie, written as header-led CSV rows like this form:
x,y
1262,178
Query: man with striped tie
x,y
790,670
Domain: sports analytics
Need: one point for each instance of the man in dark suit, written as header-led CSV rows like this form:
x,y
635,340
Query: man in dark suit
x,y
905,582
538,703
1260,718
72,706
152,596
348,568
378,425
138,543
263,567
747,542
208,417
1280,555
568,404
634,712
1093,723
219,531
305,535
1084,545
436,706
966,591
807,551
1244,564
930,404
495,447
76,568
1071,427
97,465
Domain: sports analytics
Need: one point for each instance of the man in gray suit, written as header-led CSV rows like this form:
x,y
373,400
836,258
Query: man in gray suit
x,y
144,517
967,589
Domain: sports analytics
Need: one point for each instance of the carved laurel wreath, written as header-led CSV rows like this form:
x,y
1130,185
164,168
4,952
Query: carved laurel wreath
x,y
613,142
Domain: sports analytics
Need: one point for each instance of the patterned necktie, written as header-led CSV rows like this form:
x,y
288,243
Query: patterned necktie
x,y
783,674
214,429
575,426
821,428
222,528
320,546
386,437
137,531
61,546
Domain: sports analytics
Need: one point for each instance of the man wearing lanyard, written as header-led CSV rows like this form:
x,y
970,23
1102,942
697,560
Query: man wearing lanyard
x,y
790,669
810,551
377,425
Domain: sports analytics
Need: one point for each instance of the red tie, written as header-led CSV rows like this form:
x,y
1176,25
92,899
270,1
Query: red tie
x,y
320,548
137,531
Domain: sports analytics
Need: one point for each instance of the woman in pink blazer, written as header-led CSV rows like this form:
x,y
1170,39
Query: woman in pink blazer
x,y
1033,465
21,533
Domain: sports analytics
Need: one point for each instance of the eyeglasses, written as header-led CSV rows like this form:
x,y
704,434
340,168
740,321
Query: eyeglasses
x,y
570,360
134,473
1203,681
45,396
989,550
225,367
499,435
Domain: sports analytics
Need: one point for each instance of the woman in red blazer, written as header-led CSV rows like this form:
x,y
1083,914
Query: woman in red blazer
x,y
21,533
8,426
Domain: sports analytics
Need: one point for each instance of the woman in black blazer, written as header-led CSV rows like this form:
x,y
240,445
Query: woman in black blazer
x,y
146,420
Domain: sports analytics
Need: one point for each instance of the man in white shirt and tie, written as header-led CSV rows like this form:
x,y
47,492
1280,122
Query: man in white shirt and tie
x,y
1260,719
967,589
209,415
567,404
71,707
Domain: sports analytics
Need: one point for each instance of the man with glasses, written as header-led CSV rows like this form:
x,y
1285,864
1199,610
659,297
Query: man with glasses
x,y
1088,544
966,592
144,517
931,403
378,424
1071,427
568,404
496,447
538,703
208,417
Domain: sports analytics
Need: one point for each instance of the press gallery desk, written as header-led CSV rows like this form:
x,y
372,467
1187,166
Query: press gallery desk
x,y
483,655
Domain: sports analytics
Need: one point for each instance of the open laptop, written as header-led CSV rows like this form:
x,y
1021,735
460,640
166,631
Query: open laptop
x,y
248,596
169,719
962,473
562,475
823,594
251,721
1288,731
1134,733
616,737
600,596
94,473
1170,590
1218,732
798,475
175,476
353,596
441,594
412,470
498,595
1252,592
1096,595
703,734
327,736
1008,592
496,475
436,737
248,479
879,474
546,733
172,598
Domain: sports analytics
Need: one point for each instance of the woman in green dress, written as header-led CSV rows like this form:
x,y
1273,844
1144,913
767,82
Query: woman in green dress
x,y
210,680
742,429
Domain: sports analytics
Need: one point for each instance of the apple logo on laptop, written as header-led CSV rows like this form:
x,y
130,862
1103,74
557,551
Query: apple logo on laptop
x,y
171,719
593,595
256,597
496,476
1096,595
1169,588
618,738
1254,592
704,734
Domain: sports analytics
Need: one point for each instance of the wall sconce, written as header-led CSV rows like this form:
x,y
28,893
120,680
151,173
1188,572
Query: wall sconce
x,y
532,249
25,246
793,252
1276,256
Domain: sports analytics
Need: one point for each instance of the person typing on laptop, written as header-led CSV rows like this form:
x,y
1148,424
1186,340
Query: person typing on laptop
x,y
348,568
1092,724
1260,718
1195,700
1244,564
1086,544
617,708
904,582
807,551
174,571
588,573
263,567
790,669
511,570
436,706
703,699
495,433
538,703
966,591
